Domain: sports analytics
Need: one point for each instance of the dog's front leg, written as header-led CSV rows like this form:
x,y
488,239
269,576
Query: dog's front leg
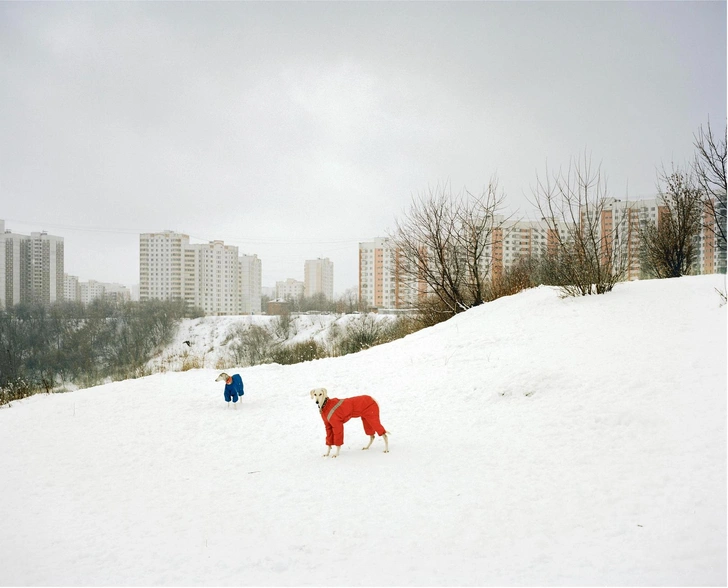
x,y
336,453
371,440
327,451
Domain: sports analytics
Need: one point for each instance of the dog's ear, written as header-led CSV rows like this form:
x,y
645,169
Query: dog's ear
x,y
312,391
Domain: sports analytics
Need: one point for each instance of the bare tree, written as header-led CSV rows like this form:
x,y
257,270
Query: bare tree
x,y
668,248
252,345
443,245
585,255
709,169
348,302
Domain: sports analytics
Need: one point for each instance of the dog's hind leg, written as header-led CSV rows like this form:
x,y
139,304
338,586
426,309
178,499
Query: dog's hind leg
x,y
386,443
371,440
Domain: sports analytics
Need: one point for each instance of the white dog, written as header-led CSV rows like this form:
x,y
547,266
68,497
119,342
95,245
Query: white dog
x,y
335,413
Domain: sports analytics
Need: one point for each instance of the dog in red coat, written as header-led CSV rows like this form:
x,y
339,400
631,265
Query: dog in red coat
x,y
335,413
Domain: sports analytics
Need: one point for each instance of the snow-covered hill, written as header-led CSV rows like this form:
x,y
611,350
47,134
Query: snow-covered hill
x,y
535,441
208,341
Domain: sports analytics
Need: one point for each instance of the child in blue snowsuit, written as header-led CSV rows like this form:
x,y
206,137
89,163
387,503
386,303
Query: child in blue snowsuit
x,y
233,386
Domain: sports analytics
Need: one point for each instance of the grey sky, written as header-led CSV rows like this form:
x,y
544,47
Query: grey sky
x,y
295,130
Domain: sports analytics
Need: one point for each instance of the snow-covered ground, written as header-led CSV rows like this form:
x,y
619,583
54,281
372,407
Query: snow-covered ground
x,y
535,441
206,341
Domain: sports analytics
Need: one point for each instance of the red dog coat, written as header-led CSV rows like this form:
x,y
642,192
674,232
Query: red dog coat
x,y
336,412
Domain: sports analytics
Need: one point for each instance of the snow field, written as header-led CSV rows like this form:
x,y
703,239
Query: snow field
x,y
535,441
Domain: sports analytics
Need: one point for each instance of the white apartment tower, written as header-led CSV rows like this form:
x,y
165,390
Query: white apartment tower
x,y
318,278
209,276
90,291
46,265
251,284
15,279
289,289
31,268
86,292
160,265
71,288
212,277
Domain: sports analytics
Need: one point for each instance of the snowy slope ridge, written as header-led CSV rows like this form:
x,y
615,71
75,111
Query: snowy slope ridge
x,y
535,441
206,341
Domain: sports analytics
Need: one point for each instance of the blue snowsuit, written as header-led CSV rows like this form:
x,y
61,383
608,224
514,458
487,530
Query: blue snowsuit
x,y
234,389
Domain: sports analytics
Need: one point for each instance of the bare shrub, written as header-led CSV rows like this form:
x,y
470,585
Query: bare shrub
x,y
284,326
359,334
442,246
524,273
398,328
709,170
16,390
252,345
192,362
668,248
584,256
299,352
431,310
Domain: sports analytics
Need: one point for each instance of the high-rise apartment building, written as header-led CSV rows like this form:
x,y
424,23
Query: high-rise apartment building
x,y
86,292
71,288
212,277
318,278
619,222
90,291
511,240
116,292
15,266
251,284
380,284
289,289
31,268
207,276
160,265
47,266
624,218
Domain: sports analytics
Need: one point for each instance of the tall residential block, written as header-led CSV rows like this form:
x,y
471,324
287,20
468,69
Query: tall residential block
x,y
71,288
624,219
212,277
251,284
86,292
207,276
318,278
31,268
618,227
380,283
511,240
289,289
160,265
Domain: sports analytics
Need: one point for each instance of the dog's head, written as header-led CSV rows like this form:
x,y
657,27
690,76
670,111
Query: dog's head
x,y
320,395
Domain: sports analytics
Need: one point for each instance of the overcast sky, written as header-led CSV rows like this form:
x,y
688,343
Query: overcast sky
x,y
297,130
